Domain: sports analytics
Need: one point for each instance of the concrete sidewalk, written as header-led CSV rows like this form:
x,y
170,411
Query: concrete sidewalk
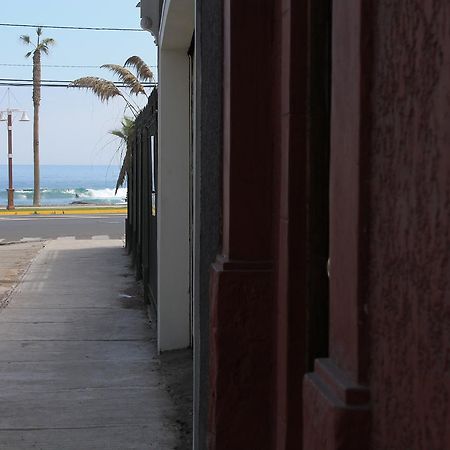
x,y
78,365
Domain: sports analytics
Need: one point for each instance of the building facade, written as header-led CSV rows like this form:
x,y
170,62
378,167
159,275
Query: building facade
x,y
303,219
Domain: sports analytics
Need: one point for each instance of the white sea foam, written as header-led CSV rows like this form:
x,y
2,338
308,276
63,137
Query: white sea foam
x,y
63,185
104,193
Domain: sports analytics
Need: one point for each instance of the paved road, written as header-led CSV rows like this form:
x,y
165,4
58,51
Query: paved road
x,y
25,228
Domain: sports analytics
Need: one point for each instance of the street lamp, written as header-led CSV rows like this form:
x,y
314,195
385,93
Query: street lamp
x,y
9,118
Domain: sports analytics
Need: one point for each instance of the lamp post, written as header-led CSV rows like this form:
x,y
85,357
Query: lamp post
x,y
9,113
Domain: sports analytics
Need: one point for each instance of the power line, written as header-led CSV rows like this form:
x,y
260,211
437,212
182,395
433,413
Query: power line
x,y
54,65
49,65
6,80
31,84
66,85
62,27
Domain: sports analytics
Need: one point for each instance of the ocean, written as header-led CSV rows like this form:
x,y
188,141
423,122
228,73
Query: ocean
x,y
63,185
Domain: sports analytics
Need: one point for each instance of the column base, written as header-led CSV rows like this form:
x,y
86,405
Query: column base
x,y
336,411
241,355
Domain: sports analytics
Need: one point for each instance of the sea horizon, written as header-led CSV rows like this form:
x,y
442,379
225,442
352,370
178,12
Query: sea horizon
x,y
64,184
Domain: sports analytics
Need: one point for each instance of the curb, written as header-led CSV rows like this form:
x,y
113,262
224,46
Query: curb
x,y
30,241
61,211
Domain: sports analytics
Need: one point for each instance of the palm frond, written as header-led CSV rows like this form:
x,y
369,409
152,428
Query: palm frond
x,y
118,133
103,89
143,71
27,55
123,169
39,31
127,129
127,77
25,39
45,44
128,124
48,41
126,134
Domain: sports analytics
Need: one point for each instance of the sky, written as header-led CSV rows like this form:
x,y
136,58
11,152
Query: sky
x,y
74,123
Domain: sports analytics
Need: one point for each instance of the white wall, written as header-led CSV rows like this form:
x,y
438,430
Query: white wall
x,y
174,172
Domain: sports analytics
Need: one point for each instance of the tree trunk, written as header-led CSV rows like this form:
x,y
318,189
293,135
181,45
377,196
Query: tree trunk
x,y
36,103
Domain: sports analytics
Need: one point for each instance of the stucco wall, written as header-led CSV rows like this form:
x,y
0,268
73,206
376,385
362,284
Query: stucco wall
x,y
208,154
174,328
409,271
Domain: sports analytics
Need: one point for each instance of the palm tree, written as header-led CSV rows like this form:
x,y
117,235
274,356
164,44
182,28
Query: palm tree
x,y
40,46
106,89
125,134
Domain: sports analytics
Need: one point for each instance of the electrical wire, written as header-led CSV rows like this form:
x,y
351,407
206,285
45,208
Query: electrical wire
x,y
31,85
54,65
18,84
49,65
62,27
144,83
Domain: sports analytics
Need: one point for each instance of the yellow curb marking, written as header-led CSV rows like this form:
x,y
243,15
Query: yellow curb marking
x,y
49,212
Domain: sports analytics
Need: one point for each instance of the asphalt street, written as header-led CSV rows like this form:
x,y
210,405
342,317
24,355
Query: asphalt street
x,y
25,228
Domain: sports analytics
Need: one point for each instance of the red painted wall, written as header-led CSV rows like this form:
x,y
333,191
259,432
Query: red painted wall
x,y
290,213
242,302
386,382
390,234
409,233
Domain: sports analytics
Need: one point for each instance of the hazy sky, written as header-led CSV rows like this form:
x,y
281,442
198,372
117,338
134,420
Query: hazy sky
x,y
74,124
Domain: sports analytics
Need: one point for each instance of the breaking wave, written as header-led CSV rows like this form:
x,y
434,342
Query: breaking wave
x,y
70,195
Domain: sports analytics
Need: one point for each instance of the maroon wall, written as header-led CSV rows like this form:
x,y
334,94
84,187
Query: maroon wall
x,y
336,395
290,143
385,383
259,283
242,300
409,290
389,231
